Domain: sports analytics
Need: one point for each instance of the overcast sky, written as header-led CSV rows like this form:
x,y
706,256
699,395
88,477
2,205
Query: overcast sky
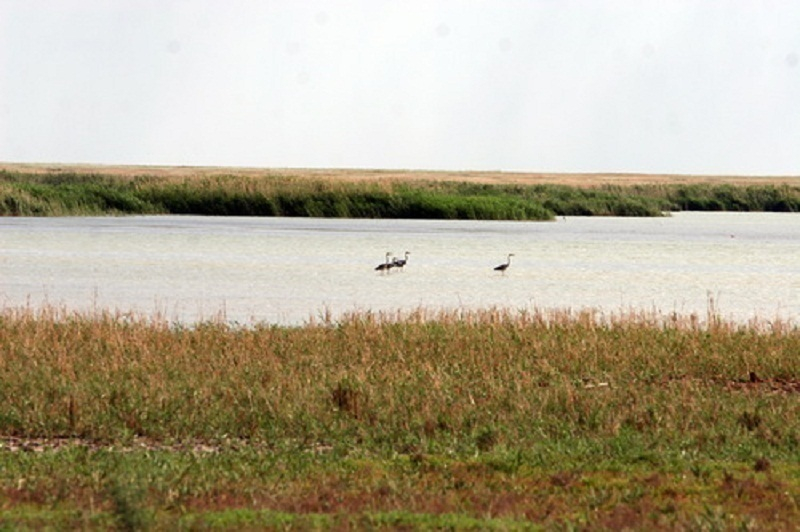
x,y
531,85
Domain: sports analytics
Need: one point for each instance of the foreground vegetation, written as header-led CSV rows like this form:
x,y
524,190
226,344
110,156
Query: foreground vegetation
x,y
64,193
455,419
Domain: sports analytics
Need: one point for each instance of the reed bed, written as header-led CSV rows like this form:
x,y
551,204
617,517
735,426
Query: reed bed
x,y
387,419
64,193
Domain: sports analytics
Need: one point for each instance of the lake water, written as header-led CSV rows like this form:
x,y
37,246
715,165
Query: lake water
x,y
288,270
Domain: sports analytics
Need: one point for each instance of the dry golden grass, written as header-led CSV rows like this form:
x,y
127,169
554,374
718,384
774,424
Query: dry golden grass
x,y
483,177
441,380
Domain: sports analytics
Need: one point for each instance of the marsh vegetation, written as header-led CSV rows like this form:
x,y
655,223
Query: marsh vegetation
x,y
66,193
485,418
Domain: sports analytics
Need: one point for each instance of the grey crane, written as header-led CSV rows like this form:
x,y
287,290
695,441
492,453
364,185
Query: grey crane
x,y
399,263
504,267
385,266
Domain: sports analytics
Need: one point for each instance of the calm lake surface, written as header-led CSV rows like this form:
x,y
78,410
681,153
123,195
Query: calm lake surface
x,y
289,270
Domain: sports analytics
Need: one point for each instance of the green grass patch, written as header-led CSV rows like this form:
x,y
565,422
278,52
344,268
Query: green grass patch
x,y
232,488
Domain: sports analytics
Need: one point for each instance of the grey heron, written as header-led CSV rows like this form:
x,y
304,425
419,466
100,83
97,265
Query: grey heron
x,y
399,263
385,266
504,267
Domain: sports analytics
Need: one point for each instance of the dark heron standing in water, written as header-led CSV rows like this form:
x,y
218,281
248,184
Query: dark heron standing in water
x,y
504,267
401,262
385,266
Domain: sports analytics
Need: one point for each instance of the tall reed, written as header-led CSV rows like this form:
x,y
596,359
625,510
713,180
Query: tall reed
x,y
59,193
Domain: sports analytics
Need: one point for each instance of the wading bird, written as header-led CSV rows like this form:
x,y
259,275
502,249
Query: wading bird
x,y
385,266
504,267
399,263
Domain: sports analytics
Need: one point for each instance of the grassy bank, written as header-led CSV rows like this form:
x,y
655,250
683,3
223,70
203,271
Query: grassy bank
x,y
483,419
62,193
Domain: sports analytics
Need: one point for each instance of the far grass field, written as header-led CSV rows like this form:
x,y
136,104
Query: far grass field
x,y
36,190
486,420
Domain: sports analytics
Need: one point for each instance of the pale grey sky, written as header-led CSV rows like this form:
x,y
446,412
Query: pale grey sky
x,y
530,85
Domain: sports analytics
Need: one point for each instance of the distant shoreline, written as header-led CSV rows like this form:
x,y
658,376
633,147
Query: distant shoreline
x,y
576,179
69,190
